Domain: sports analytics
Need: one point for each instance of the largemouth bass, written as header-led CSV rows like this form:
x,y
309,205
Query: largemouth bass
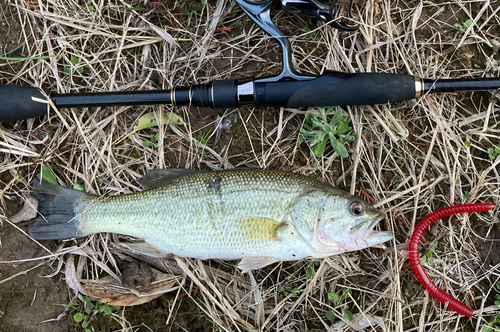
x,y
258,216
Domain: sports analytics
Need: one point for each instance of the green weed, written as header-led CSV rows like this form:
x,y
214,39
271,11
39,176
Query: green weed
x,y
428,257
153,141
318,131
494,323
75,65
287,287
463,27
493,153
86,309
340,299
216,326
203,138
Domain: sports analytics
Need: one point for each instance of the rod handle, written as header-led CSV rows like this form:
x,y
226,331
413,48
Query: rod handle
x,y
16,103
338,89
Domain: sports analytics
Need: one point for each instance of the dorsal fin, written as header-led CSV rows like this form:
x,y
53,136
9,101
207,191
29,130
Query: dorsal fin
x,y
157,177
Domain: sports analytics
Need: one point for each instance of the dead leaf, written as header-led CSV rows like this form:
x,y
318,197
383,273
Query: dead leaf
x,y
109,290
149,120
71,278
28,212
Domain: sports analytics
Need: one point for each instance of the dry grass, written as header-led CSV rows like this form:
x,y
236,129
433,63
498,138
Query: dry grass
x,y
411,158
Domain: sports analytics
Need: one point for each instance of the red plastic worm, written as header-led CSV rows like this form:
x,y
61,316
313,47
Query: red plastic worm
x,y
444,298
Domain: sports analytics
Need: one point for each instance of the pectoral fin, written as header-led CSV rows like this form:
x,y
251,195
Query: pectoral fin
x,y
259,228
255,263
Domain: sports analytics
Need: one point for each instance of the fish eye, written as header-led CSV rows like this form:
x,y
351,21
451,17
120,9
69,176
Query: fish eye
x,y
356,209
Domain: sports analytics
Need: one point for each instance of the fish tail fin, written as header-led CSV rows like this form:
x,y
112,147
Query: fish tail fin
x,y
59,207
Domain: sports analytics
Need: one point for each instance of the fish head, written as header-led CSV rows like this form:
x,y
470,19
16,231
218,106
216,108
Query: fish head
x,y
332,221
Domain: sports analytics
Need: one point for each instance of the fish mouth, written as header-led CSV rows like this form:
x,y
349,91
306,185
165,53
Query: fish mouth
x,y
367,233
361,236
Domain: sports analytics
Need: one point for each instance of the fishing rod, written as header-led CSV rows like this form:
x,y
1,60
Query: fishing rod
x,y
288,89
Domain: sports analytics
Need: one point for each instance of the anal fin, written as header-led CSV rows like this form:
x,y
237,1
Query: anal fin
x,y
255,263
145,248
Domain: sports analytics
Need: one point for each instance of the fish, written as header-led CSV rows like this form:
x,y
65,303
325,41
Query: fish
x,y
257,216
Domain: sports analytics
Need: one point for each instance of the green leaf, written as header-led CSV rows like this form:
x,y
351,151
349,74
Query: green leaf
x,y
349,137
347,314
87,298
149,120
88,311
295,291
85,324
334,297
304,133
346,292
310,272
468,23
74,60
106,309
78,317
433,246
309,117
330,316
323,112
47,175
146,144
340,148
6,58
91,8
467,144
343,127
319,149
337,117
78,187
320,136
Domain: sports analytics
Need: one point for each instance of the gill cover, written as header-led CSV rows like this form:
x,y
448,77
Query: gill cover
x,y
325,219
306,211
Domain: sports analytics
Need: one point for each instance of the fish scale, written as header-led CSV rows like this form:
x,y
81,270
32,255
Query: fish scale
x,y
203,215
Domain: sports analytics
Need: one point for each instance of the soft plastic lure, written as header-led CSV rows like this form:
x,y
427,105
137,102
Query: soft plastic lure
x,y
435,291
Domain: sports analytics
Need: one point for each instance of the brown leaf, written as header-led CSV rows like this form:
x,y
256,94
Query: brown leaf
x,y
109,290
28,212
71,278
